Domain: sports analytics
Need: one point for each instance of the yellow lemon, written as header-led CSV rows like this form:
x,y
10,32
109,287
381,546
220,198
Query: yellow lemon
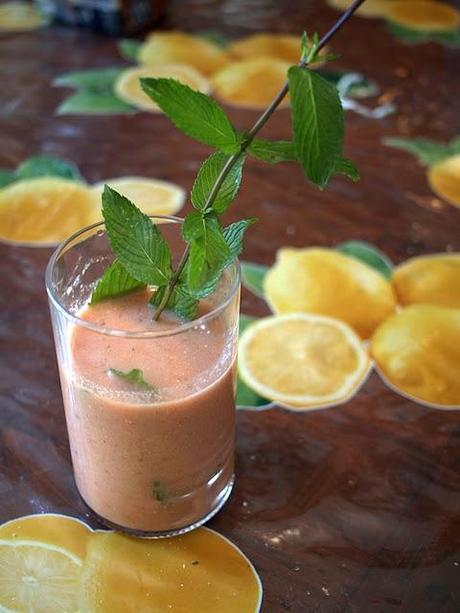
x,y
152,196
418,352
17,16
199,572
182,48
45,210
57,530
330,283
423,15
302,361
429,279
444,179
128,88
284,47
251,83
38,577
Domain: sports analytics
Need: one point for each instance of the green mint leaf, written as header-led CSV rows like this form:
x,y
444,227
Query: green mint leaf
x,y
346,167
273,152
47,166
427,151
454,145
207,176
136,241
7,177
304,46
89,103
194,113
410,36
159,491
213,36
209,254
234,234
114,282
129,49
134,376
193,226
368,254
317,121
180,301
252,277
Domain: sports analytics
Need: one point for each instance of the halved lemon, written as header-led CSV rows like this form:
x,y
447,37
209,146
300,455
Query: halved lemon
x,y
284,47
370,8
199,572
152,196
302,360
45,211
18,16
251,83
128,88
423,15
444,179
38,577
57,530
429,279
181,48
418,353
326,282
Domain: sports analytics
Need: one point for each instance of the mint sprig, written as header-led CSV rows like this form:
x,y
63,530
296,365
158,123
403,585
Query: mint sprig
x,y
114,282
318,135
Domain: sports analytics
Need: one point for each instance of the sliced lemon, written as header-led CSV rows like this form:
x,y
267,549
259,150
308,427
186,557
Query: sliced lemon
x,y
181,48
444,179
128,88
423,15
57,530
429,279
38,577
152,196
199,572
45,210
302,360
17,16
327,282
418,353
284,47
370,8
251,83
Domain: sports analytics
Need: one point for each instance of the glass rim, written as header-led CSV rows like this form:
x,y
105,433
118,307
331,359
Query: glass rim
x,y
78,321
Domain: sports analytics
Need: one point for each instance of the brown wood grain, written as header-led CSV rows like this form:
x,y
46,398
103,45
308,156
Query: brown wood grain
x,y
352,509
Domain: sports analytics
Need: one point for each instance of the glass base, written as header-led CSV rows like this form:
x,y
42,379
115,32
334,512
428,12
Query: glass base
x,y
221,500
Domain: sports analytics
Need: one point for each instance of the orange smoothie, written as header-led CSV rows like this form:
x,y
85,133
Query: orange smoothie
x,y
159,458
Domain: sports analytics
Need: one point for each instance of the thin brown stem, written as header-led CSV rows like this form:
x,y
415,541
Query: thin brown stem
x,y
253,131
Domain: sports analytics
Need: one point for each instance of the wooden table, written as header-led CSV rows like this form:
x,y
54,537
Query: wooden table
x,y
350,509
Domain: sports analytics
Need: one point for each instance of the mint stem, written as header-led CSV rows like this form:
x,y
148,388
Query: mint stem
x,y
261,121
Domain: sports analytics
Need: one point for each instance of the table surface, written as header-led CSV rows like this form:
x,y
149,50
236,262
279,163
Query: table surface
x,y
349,509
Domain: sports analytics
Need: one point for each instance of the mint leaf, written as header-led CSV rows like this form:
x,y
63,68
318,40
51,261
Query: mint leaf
x,y
193,226
273,152
411,36
114,282
454,145
47,166
196,114
368,254
346,167
137,243
209,254
129,49
180,301
317,121
252,277
207,176
159,491
99,80
134,376
214,37
234,234
7,177
91,103
304,45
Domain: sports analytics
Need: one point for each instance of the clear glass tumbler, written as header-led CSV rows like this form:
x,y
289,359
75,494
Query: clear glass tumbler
x,y
153,458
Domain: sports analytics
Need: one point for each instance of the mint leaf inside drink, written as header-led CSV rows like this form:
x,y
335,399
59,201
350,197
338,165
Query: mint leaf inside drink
x,y
134,376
